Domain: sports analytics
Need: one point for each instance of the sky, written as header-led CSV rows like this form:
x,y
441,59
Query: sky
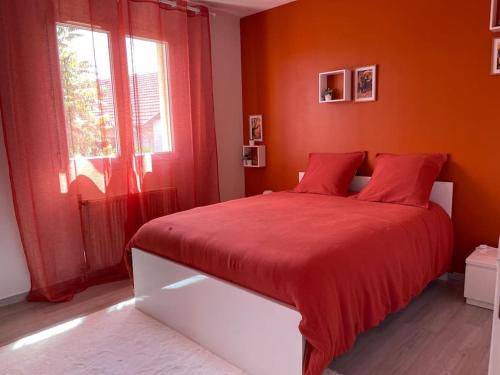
x,y
143,52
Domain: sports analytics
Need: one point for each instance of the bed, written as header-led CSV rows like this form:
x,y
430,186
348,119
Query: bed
x,y
283,283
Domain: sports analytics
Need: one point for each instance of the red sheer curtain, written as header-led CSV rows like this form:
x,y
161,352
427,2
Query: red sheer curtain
x,y
108,121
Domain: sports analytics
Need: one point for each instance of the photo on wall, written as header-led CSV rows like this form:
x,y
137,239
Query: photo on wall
x,y
256,128
496,56
365,83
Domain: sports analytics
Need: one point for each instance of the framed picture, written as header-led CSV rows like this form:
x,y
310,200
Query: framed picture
x,y
365,84
495,15
495,68
256,129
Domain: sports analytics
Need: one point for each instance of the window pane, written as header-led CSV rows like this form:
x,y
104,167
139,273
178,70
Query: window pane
x,y
149,95
88,92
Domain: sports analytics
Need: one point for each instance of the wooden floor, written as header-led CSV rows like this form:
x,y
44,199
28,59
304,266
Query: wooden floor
x,y
436,334
21,319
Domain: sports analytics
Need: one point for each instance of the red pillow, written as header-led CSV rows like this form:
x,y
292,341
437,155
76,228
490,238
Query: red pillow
x,y
403,179
330,173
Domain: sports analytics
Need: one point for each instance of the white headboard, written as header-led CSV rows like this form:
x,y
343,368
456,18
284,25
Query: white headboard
x,y
442,192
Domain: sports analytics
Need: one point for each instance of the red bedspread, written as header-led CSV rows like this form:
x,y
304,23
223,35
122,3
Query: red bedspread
x,y
344,264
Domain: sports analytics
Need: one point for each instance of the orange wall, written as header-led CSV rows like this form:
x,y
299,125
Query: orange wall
x,y
435,93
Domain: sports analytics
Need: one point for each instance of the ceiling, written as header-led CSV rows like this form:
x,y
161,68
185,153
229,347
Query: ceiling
x,y
242,8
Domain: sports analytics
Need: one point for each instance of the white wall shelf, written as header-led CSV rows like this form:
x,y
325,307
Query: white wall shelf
x,y
339,81
495,16
254,156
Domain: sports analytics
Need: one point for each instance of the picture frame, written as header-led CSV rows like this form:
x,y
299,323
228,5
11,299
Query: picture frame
x,y
495,16
495,61
256,128
365,83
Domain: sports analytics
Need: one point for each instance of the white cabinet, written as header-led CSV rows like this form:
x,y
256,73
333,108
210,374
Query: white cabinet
x,y
495,337
480,277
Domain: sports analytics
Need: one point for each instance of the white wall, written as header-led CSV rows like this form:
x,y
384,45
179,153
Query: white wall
x,y
226,73
14,277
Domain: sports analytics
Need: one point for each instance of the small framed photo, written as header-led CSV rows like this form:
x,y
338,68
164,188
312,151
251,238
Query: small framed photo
x,y
365,84
495,68
256,128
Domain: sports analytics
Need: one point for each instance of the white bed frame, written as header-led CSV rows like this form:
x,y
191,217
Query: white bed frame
x,y
255,333
442,192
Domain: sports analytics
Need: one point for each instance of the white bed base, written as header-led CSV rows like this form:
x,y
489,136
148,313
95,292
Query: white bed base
x,y
255,333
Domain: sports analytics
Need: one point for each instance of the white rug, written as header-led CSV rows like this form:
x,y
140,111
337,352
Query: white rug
x,y
119,340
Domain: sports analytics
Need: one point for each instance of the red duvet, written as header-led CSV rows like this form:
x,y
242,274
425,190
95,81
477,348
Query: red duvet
x,y
344,264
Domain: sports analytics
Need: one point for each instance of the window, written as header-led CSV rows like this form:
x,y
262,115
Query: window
x,y
149,96
89,100
89,105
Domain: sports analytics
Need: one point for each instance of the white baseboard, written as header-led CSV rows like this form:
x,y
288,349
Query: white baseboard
x,y
475,302
452,276
456,276
13,299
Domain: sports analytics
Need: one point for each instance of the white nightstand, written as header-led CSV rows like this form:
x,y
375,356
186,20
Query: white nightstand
x,y
480,277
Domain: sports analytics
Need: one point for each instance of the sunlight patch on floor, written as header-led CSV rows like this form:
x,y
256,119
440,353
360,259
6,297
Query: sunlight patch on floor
x,y
122,305
47,333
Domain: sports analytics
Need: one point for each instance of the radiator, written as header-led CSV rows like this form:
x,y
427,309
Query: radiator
x,y
104,223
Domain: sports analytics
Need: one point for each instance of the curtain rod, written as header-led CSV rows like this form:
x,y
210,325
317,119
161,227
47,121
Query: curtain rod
x,y
173,4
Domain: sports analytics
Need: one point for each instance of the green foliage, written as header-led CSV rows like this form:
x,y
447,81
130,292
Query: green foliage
x,y
88,129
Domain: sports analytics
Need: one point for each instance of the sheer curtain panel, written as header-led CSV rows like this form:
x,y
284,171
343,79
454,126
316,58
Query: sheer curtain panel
x,y
108,121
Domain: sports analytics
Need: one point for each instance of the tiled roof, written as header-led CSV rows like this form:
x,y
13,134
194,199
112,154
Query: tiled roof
x,y
144,97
